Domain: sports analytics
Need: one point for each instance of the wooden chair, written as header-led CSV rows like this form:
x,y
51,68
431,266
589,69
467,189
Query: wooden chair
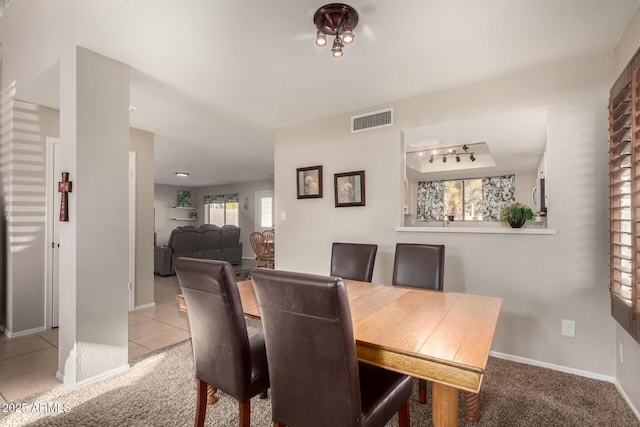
x,y
270,240
263,257
226,356
315,376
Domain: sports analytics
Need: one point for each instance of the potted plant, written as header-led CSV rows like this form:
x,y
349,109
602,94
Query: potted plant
x,y
516,214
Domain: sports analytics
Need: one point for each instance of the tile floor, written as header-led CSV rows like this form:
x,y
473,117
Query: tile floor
x,y
28,364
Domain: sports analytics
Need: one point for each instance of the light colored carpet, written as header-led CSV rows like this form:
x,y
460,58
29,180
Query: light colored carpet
x,y
159,390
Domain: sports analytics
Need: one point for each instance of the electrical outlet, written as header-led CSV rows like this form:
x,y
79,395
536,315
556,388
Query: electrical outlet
x,y
568,328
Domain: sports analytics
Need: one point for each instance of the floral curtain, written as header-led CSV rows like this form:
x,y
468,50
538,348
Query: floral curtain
x,y
497,191
430,201
222,198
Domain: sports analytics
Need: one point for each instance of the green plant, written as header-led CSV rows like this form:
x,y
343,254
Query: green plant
x,y
516,214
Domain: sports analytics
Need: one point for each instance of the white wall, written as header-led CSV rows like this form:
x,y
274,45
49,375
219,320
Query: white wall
x,y
247,217
165,199
628,357
541,279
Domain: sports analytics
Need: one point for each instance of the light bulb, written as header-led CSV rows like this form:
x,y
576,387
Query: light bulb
x,y
348,37
321,39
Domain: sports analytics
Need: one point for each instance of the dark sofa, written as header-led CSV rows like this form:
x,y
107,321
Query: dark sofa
x,y
207,241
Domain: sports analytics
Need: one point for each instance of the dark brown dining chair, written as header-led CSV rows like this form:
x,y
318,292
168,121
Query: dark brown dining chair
x,y
226,356
316,379
264,258
353,261
419,266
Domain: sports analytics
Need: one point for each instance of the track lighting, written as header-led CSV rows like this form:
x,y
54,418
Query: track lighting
x,y
473,159
458,158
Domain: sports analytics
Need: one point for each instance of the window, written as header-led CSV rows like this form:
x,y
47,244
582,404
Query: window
x,y
264,210
624,203
478,199
221,209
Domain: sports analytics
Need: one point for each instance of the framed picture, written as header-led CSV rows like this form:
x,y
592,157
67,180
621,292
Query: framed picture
x,y
349,189
309,182
184,199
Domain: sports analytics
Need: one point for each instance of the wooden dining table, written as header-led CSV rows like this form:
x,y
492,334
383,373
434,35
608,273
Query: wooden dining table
x,y
442,337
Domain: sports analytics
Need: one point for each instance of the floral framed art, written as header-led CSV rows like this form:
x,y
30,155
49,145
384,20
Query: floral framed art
x,y
349,189
309,182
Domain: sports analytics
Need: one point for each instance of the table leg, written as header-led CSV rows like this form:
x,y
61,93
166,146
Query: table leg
x,y
211,395
471,406
445,405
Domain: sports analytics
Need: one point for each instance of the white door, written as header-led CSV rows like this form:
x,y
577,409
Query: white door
x,y
132,230
53,231
264,210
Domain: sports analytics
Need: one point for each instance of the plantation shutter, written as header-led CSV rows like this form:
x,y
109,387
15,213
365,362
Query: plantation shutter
x,y
624,197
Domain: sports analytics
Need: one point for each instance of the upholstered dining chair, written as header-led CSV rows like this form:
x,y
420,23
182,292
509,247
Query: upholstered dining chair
x,y
316,379
419,266
226,356
264,258
353,261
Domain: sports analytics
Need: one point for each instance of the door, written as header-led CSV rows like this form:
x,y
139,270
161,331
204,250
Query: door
x,y
53,231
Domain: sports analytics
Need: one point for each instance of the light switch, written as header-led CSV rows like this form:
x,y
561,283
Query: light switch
x,y
283,215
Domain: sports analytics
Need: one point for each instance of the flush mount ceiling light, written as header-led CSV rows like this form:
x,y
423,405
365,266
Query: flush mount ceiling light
x,y
335,19
182,174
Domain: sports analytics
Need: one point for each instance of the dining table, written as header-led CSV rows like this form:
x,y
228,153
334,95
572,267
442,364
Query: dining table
x,y
442,337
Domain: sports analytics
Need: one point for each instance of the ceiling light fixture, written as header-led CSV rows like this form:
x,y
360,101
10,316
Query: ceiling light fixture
x,y
453,151
182,174
336,19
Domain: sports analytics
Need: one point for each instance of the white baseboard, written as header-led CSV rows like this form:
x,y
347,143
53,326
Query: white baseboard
x,y
10,334
93,379
626,399
553,366
144,306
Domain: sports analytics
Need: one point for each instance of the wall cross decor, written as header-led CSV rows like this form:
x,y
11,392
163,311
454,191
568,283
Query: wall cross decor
x,y
64,187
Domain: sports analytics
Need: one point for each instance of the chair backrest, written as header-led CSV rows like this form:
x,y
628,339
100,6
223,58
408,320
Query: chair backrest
x,y
210,238
353,261
419,266
269,235
218,330
257,243
230,236
311,350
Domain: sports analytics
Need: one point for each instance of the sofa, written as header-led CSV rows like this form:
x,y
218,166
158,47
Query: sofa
x,y
207,241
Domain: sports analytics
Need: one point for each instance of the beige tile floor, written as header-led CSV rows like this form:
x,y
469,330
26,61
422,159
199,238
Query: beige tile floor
x,y
28,364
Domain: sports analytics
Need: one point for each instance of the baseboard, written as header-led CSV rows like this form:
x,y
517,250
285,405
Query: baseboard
x,y
10,334
144,306
553,366
93,379
626,399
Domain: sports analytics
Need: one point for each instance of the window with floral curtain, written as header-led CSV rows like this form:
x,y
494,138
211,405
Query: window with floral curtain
x,y
221,209
477,199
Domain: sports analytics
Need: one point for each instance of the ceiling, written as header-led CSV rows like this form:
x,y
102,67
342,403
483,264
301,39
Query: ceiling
x,y
213,80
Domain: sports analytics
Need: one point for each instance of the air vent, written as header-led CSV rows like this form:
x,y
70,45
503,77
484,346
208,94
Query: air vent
x,y
373,120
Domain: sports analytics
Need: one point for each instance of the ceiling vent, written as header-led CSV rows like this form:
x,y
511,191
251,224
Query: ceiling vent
x,y
373,120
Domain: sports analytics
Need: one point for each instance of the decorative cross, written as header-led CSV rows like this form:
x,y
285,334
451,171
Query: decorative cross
x,y
64,187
